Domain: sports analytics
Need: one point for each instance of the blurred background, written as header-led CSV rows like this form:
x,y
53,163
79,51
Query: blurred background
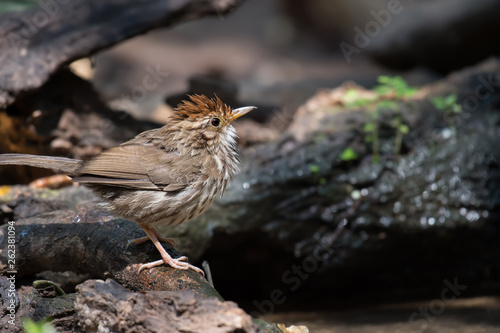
x,y
300,45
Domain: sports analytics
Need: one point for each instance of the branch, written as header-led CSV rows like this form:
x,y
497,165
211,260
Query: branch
x,y
37,42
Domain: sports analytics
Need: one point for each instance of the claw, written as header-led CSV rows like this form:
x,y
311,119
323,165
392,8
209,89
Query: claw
x,y
175,263
179,263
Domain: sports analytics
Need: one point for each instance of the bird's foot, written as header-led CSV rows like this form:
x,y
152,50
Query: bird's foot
x,y
175,263
159,236
155,236
137,241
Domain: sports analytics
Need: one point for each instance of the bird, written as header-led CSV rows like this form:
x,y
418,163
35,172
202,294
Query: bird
x,y
164,176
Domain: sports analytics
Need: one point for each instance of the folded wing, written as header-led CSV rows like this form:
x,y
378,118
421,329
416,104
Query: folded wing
x,y
138,166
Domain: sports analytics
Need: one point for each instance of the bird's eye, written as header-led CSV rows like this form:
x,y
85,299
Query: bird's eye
x,y
215,122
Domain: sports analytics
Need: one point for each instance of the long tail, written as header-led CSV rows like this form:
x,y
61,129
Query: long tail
x,y
58,164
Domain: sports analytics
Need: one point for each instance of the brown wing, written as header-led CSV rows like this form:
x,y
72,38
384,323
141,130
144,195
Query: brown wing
x,y
138,166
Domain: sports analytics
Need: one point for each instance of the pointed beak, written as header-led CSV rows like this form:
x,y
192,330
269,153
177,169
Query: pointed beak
x,y
240,112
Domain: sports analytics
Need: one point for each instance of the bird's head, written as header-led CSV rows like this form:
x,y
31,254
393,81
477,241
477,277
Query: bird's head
x,y
205,123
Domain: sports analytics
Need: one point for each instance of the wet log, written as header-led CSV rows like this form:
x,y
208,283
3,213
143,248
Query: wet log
x,y
413,220
38,41
88,240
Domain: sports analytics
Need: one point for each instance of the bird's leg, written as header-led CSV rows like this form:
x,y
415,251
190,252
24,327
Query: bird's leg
x,y
166,258
159,236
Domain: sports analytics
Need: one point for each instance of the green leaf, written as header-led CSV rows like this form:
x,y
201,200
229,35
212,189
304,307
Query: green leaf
x,y
403,128
43,326
386,104
42,284
17,5
362,102
383,79
450,99
348,155
382,90
447,104
351,94
395,84
369,127
438,102
456,108
314,168
409,92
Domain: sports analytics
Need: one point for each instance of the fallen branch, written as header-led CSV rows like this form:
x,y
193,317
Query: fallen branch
x,y
37,42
